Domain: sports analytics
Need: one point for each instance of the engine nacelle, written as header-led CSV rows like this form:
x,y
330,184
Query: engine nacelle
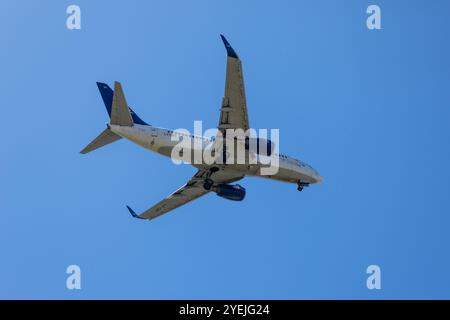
x,y
230,191
260,145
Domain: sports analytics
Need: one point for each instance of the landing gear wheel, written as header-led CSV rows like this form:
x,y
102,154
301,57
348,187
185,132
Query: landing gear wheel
x,y
208,184
214,169
301,185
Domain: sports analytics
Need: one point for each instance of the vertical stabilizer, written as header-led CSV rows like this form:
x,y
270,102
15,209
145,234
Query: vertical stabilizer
x,y
120,114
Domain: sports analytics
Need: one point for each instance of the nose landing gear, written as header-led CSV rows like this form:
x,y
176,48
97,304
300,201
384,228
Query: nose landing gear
x,y
301,185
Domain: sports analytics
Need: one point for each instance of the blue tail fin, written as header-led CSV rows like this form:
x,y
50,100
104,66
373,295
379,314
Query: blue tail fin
x,y
107,96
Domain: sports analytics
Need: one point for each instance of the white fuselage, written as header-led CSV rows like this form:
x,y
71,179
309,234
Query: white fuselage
x,y
163,141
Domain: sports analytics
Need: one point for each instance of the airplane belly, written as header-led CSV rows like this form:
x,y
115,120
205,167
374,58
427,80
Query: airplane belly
x,y
139,135
286,173
188,155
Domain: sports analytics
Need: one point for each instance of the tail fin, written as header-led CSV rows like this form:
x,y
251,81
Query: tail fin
x,y
107,96
106,137
120,114
118,111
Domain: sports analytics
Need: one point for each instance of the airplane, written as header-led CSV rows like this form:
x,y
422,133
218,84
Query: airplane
x,y
215,177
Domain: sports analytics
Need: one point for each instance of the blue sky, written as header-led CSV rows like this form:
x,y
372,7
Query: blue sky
x,y
368,109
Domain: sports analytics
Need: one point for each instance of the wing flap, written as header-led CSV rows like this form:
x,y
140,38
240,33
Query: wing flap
x,y
192,190
180,197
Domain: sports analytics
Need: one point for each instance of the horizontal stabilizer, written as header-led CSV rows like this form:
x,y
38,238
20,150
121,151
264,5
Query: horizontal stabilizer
x,y
106,137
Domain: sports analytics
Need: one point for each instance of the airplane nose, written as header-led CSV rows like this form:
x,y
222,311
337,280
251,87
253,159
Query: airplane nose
x,y
319,179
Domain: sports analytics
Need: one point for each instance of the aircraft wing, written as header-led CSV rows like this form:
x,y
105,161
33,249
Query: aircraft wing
x,y
192,190
233,113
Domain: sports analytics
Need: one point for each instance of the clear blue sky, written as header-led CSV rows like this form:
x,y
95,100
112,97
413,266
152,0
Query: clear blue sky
x,y
368,109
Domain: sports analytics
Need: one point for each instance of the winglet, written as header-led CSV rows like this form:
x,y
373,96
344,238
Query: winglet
x,y
230,51
134,213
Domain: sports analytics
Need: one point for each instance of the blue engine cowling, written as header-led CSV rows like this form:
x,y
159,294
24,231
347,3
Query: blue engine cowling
x,y
230,191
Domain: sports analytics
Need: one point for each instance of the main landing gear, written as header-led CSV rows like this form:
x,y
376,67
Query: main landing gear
x,y
208,181
301,185
208,184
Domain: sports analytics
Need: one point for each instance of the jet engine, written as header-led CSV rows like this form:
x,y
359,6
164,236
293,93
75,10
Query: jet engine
x,y
230,191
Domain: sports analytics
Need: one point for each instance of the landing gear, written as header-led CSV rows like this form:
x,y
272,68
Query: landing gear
x,y
213,170
301,185
208,182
